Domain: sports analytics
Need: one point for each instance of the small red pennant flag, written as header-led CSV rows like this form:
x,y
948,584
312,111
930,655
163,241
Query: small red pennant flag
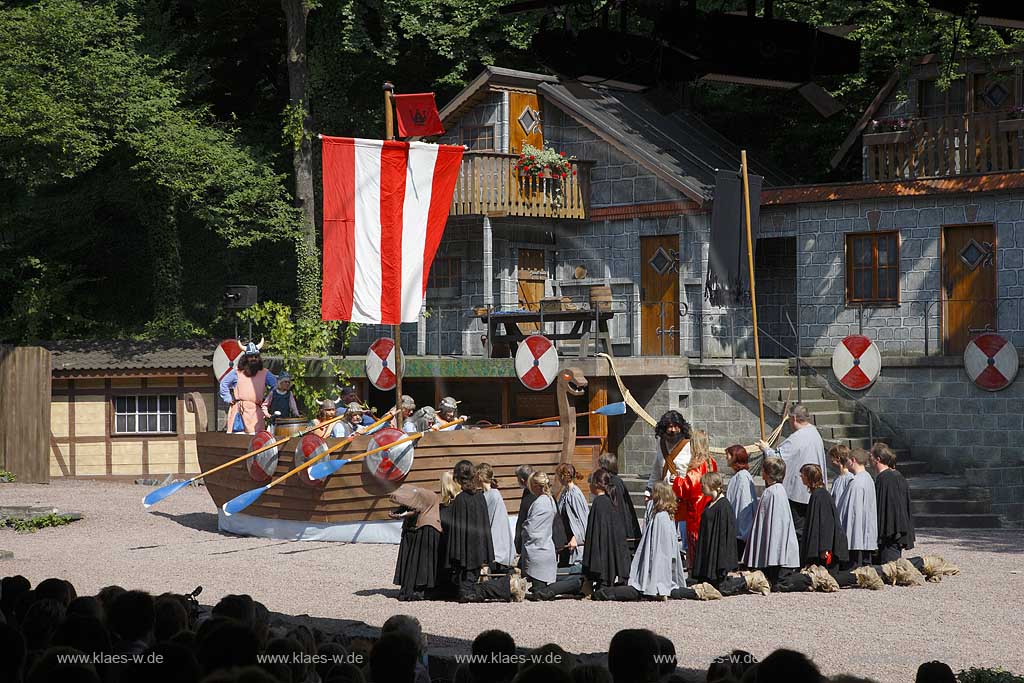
x,y
417,115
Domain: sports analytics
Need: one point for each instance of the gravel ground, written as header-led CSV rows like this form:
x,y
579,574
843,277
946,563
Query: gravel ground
x,y
969,620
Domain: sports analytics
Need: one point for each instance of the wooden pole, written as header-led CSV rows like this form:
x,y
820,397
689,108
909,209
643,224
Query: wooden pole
x,y
753,290
396,330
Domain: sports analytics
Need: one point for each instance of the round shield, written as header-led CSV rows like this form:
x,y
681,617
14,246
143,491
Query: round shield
x,y
310,447
380,364
224,357
856,362
261,467
537,362
393,464
991,361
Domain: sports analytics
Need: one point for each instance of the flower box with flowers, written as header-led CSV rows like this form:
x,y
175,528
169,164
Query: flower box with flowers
x,y
887,131
544,170
1014,121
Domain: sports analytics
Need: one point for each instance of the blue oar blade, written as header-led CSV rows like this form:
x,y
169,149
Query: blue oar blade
x,y
612,409
156,496
322,470
549,424
239,503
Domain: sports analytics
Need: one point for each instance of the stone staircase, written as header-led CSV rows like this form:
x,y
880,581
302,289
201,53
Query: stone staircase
x,y
943,501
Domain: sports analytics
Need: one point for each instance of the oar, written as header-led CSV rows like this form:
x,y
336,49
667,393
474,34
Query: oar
x,y
159,494
244,500
610,409
325,469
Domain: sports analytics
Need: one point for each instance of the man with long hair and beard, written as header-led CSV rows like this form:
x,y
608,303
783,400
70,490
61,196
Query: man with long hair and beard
x,y
244,390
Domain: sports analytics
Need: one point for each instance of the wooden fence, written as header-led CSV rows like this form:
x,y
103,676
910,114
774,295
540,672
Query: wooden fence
x,y
489,184
25,413
946,146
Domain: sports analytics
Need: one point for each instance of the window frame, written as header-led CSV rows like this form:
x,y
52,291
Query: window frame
x,y
453,288
851,268
467,140
173,413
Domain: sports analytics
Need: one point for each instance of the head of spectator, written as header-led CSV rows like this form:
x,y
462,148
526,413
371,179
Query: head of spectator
x,y
12,588
788,666
393,659
106,598
632,656
177,664
238,607
169,617
289,650
495,657
223,643
56,589
41,622
329,656
667,656
410,626
934,672
730,667
85,634
551,653
261,625
85,606
130,618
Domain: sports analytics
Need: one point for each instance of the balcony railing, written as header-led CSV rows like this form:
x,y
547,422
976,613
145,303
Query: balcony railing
x,y
488,184
946,146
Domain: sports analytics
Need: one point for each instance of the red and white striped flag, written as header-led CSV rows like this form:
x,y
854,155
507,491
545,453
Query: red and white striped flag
x,y
385,207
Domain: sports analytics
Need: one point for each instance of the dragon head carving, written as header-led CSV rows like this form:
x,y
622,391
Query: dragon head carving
x,y
572,381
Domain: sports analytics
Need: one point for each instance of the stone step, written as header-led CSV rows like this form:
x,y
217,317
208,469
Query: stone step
x,y
769,368
940,506
806,394
966,521
842,430
835,418
778,382
949,493
816,406
912,468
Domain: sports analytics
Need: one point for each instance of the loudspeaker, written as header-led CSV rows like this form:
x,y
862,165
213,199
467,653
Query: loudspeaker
x,y
237,297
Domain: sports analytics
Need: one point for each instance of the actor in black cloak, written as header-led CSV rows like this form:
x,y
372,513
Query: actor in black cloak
x,y
446,588
625,513
892,498
468,545
824,539
605,554
417,568
715,554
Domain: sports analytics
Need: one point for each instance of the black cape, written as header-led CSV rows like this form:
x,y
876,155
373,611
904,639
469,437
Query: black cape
x,y
822,530
895,518
469,544
626,513
716,551
417,567
605,554
524,509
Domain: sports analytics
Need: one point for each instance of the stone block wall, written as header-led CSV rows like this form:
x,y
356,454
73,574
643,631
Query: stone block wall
x,y
725,411
1006,484
820,231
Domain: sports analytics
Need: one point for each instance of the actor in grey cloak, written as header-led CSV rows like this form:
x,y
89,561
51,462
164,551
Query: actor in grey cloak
x,y
859,517
540,563
657,568
803,447
501,532
773,543
573,509
840,486
742,495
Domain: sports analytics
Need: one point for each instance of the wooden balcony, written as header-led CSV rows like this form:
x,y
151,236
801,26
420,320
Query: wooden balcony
x,y
946,146
488,184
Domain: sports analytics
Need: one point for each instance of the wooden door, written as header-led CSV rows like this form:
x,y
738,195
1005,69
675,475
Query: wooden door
x,y
659,295
524,121
968,284
531,276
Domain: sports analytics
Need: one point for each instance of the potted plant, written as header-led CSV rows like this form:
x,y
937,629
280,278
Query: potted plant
x,y
887,130
548,166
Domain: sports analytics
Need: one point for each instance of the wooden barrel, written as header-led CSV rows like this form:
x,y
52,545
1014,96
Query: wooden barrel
x,y
286,426
601,297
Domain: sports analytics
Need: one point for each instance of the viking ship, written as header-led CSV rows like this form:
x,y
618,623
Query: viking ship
x,y
353,505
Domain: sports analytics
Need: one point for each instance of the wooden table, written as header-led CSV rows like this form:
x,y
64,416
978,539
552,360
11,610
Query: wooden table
x,y
583,326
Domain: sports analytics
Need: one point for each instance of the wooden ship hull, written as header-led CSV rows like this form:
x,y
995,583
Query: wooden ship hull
x,y
353,504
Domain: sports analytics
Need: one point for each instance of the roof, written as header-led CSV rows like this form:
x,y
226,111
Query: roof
x,y
862,122
678,146
965,184
120,355
491,77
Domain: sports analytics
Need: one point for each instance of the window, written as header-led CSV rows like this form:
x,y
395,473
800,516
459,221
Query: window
x,y
445,274
145,415
934,101
478,137
873,268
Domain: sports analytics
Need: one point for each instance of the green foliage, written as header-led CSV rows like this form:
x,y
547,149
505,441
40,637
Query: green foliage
x,y
33,524
973,675
293,132
296,340
7,477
